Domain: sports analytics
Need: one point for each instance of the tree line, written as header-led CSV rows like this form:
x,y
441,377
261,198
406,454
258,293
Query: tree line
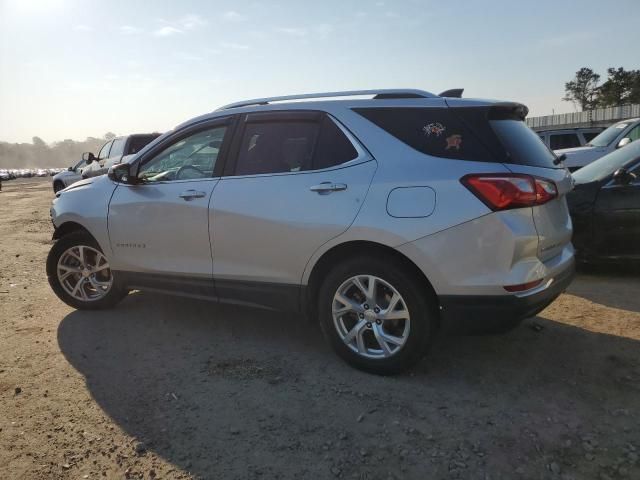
x,y
585,90
40,154
620,88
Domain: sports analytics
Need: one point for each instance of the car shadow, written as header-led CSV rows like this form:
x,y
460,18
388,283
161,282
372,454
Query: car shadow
x,y
228,392
614,286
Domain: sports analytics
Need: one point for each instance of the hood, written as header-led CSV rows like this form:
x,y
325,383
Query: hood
x,y
580,156
63,174
573,151
82,183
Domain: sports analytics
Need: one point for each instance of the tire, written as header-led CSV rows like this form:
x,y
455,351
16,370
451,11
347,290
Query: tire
x,y
61,264
57,186
390,279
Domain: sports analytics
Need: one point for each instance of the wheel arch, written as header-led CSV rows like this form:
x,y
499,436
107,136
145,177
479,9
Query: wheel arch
x,y
70,227
358,247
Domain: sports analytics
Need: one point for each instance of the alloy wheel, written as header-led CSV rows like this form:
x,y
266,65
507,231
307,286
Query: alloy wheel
x,y
84,273
370,316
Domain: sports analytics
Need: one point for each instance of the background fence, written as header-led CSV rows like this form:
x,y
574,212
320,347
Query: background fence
x,y
600,117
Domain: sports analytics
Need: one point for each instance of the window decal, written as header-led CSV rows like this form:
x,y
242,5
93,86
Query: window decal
x,y
436,129
454,141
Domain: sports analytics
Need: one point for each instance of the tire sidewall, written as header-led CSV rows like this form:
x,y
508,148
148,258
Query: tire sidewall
x,y
418,301
115,294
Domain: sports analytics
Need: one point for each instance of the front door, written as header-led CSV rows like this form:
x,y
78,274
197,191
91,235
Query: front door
x,y
617,219
159,228
295,181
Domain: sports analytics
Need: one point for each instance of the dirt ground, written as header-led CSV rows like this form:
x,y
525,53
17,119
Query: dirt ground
x,y
173,388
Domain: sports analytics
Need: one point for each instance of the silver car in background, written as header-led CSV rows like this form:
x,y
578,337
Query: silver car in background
x,y
616,136
68,177
387,218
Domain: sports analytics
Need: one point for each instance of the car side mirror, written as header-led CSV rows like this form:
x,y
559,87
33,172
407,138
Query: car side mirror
x,y
88,157
121,173
623,177
71,169
623,142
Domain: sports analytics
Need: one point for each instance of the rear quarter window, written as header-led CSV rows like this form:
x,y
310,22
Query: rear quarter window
x,y
434,131
483,134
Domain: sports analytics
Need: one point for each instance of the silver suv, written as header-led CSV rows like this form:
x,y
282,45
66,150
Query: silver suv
x,y
387,218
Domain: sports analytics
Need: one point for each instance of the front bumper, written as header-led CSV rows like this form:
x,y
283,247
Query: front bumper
x,y
473,314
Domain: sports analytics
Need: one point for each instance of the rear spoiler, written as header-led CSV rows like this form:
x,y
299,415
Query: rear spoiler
x,y
452,93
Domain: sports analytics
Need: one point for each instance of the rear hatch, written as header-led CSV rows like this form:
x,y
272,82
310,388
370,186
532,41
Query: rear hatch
x,y
502,129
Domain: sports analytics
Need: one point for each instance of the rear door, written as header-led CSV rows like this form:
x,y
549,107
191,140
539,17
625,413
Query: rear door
x,y
296,180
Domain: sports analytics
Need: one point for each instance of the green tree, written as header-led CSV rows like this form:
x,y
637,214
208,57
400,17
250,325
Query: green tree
x,y
583,89
622,87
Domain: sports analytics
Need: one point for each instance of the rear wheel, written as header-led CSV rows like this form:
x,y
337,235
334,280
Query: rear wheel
x,y
377,316
80,275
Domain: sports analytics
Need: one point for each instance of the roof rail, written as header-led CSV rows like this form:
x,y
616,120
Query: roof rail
x,y
380,94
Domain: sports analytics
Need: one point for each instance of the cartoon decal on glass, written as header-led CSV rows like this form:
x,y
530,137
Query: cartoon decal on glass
x,y
454,141
436,129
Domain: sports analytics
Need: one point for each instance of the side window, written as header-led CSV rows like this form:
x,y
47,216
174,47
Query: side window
x,y
276,147
634,134
564,140
104,151
117,149
80,165
333,147
189,158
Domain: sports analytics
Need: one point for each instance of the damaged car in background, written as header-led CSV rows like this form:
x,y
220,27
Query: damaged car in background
x,y
605,207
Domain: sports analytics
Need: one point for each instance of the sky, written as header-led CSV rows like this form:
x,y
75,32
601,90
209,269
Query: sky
x,y
79,68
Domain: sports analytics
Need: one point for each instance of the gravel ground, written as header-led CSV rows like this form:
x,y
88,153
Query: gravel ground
x,y
173,388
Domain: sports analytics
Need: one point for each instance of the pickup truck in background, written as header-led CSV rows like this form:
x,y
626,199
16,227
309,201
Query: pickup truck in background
x,y
114,151
616,136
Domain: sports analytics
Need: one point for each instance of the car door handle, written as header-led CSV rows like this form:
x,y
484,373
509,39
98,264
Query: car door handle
x,y
191,194
327,187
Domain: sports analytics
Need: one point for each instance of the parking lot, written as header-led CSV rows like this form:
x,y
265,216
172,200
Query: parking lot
x,y
172,388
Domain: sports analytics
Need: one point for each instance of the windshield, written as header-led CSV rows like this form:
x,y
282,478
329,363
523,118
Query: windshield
x,y
609,135
605,166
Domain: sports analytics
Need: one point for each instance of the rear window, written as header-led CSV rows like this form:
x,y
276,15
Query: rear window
x,y
521,144
588,136
138,142
464,134
564,140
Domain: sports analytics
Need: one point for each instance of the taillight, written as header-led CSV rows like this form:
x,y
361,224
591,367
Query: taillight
x,y
503,191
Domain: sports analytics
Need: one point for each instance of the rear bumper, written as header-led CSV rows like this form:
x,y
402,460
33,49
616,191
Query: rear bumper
x,y
468,314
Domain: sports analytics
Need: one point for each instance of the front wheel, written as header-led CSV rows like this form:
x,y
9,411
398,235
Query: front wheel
x,y
80,275
377,315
